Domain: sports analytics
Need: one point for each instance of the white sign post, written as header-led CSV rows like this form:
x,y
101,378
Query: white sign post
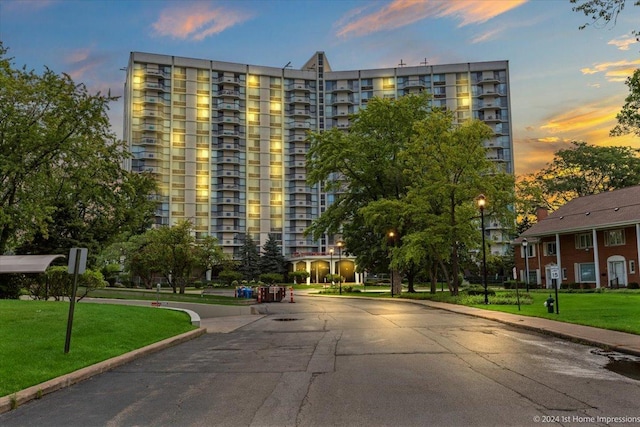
x,y
555,277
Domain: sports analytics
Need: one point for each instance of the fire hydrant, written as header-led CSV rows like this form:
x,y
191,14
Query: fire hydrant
x,y
549,304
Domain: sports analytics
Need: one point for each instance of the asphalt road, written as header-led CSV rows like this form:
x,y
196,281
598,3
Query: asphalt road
x,y
350,362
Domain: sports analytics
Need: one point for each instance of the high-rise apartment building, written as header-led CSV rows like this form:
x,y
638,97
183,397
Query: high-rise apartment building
x,y
227,141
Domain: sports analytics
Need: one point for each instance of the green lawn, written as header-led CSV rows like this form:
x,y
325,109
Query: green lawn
x,y
195,296
32,337
617,310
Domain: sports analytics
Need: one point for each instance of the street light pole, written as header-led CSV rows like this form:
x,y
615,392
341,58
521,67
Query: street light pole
x,y
330,263
525,243
391,236
481,204
340,243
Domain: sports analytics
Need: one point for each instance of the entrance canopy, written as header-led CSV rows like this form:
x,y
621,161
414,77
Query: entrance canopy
x,y
26,263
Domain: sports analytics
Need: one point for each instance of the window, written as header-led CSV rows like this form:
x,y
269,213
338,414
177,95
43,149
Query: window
x,y
531,251
587,272
550,249
584,241
632,266
614,237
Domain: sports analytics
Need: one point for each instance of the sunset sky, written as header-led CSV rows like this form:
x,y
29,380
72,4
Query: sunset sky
x,y
566,84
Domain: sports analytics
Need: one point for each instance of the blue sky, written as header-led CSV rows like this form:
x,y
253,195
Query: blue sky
x,y
566,84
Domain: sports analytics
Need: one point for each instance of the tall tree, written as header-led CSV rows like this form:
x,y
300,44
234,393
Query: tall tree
x,y
249,262
450,169
60,174
272,260
362,166
171,252
629,117
579,171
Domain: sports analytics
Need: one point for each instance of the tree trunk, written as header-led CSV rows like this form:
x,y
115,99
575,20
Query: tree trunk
x,y
434,277
410,281
396,283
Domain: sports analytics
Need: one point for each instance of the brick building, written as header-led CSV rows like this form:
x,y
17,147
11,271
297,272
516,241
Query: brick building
x,y
592,240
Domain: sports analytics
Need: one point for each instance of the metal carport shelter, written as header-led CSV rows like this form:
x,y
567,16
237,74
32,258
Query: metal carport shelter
x,y
26,263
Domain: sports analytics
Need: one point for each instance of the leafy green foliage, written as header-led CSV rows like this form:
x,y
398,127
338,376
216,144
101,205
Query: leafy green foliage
x,y
61,181
272,260
406,168
299,276
229,276
271,278
629,117
578,171
249,259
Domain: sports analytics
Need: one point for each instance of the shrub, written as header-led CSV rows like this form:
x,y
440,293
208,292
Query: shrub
x,y
299,276
511,284
228,276
271,278
477,290
10,285
633,285
333,278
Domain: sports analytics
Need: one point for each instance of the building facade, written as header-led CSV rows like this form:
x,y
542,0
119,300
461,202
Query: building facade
x,y
227,141
592,241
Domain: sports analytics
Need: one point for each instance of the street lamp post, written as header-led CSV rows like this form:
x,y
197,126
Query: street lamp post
x,y
391,236
340,243
525,243
331,263
481,204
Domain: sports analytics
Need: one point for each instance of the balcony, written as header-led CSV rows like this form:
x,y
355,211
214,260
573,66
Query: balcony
x,y
300,125
229,106
152,113
228,160
413,84
228,80
297,99
228,93
148,156
156,86
221,200
343,99
345,88
151,127
487,80
153,100
147,141
226,119
227,132
299,112
492,118
489,106
156,72
300,86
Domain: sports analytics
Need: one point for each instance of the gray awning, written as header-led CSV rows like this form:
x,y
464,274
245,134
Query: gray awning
x,y
26,263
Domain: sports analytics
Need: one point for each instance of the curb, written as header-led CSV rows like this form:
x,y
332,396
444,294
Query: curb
x,y
12,401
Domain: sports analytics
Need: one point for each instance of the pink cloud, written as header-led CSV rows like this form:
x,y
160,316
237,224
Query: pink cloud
x,y
197,21
400,13
614,71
